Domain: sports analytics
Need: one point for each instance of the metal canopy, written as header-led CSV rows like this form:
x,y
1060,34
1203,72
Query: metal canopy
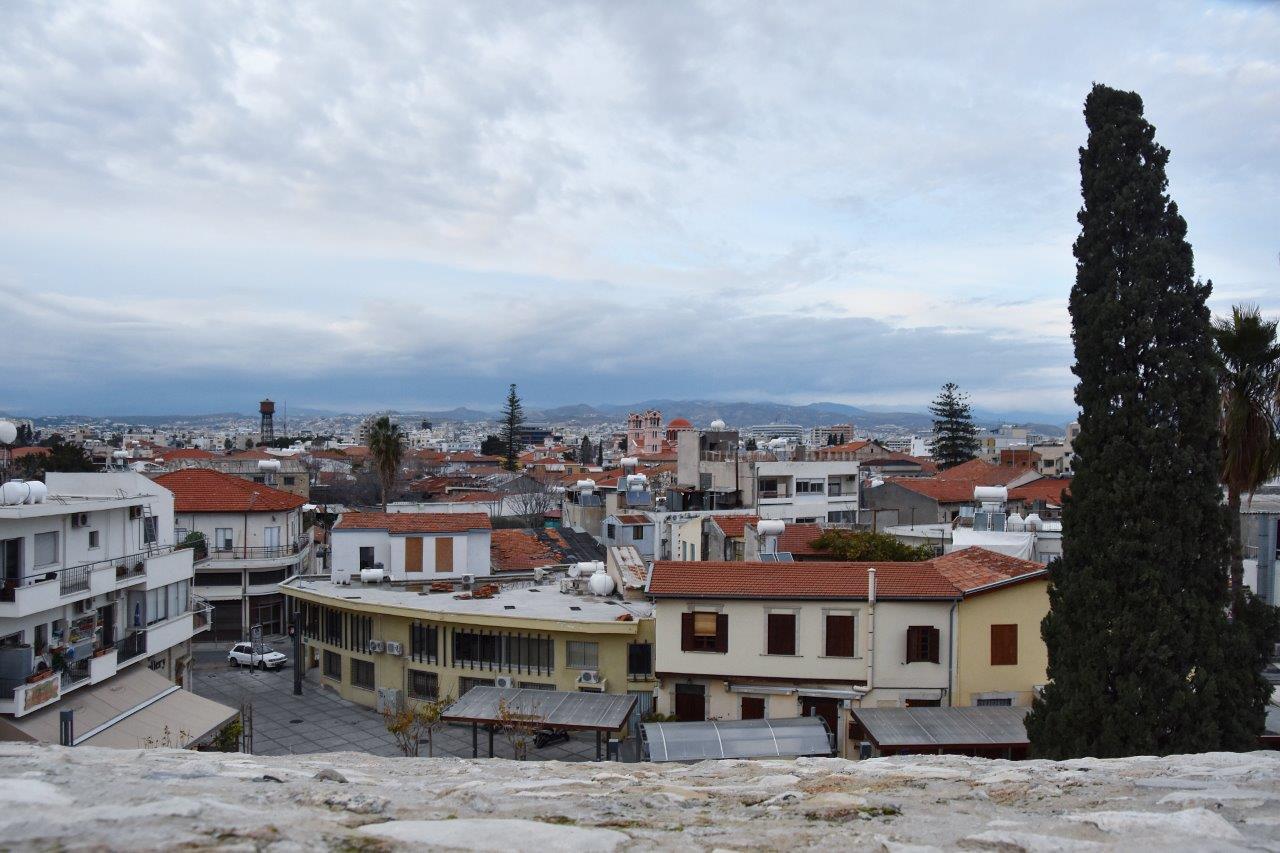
x,y
556,709
944,727
781,738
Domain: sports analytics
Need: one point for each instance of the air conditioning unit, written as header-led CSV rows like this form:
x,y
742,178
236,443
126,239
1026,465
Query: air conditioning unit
x,y
376,646
468,580
590,676
394,648
79,519
135,512
504,681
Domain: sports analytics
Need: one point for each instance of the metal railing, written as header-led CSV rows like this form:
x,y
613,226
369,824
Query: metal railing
x,y
76,578
257,552
132,646
201,614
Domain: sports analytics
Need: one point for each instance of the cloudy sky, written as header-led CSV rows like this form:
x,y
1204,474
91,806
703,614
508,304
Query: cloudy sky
x,y
411,205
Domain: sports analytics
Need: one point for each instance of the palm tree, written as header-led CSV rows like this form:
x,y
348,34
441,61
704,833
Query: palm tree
x,y
1249,371
386,446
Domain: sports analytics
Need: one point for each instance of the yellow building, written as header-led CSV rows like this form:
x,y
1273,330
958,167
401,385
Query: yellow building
x,y
1000,657
368,639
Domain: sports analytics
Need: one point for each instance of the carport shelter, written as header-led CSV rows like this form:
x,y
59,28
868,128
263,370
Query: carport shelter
x,y
601,713
988,732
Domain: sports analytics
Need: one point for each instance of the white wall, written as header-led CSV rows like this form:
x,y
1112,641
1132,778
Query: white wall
x,y
470,553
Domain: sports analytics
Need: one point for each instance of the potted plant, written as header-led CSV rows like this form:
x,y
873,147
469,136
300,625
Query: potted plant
x,y
121,570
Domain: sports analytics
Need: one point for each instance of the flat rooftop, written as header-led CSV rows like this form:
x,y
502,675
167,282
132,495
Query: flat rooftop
x,y
515,600
63,504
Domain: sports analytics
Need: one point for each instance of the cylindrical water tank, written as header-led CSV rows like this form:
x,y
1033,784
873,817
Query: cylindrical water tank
x,y
575,569
630,462
36,492
1015,523
371,575
13,492
586,485
119,454
600,583
771,527
778,442
717,424
637,481
1033,521
268,464
990,494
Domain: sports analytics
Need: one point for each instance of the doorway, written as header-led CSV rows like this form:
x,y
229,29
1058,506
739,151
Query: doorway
x,y
691,703
366,557
827,709
107,619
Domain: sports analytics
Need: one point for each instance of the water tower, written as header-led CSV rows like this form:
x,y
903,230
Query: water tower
x,y
268,411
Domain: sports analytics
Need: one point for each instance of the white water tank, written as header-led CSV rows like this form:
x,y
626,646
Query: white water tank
x,y
637,482
770,527
778,443
575,569
13,492
600,583
371,575
717,424
268,464
586,485
990,494
629,462
1015,523
36,492
1033,522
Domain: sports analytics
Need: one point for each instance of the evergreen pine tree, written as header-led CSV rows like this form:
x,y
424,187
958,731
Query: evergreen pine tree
x,y
955,438
512,420
1142,658
600,453
584,451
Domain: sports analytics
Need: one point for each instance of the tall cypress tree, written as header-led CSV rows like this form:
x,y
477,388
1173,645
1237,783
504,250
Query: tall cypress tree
x,y
512,420
955,438
1142,658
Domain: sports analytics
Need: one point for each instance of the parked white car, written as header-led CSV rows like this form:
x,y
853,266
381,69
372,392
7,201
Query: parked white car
x,y
242,654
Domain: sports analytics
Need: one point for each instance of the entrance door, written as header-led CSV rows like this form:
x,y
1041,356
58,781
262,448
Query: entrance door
x,y
366,556
827,709
691,703
271,539
107,619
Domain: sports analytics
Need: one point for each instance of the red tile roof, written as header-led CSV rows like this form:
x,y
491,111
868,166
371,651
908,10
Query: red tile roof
x,y
633,519
207,490
673,579
973,567
414,522
1049,489
984,473
515,550
732,525
186,453
956,485
798,539
21,452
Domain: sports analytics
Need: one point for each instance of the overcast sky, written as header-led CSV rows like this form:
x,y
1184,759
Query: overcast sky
x,y
377,205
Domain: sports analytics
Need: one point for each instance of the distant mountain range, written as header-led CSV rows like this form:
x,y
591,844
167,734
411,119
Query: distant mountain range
x,y
699,412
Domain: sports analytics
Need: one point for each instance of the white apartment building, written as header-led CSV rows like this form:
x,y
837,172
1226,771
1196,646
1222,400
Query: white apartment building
x,y
93,586
411,545
255,536
805,492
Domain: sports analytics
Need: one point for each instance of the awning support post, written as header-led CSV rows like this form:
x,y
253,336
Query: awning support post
x,y
67,727
598,756
475,741
490,728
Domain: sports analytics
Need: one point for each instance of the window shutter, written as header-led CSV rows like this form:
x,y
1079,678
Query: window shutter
x,y
839,636
935,644
722,633
1004,645
686,632
782,634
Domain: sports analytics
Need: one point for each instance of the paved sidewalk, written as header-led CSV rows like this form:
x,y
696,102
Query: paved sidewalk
x,y
321,721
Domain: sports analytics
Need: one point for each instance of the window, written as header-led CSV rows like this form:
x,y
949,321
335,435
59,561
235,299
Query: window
x,y
362,674
332,665
752,708
994,702
840,633
704,631
157,605
366,556
1004,645
534,685
273,576
11,559
639,660
94,539
582,655
781,635
444,553
219,578
289,479
46,548
611,531
271,536
922,644
833,489
223,539
423,685
150,525
424,642
810,487
465,684
413,553
637,532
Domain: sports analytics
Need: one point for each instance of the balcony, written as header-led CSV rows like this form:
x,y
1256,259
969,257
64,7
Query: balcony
x,y
20,697
261,554
131,646
201,614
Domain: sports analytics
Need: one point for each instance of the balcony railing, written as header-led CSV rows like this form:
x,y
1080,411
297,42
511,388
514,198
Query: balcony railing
x,y
76,578
131,646
257,552
201,614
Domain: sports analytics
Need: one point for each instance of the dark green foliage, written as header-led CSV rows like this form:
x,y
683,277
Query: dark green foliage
x,y
584,451
1142,657
600,453
491,446
955,438
865,545
512,420
386,449
63,456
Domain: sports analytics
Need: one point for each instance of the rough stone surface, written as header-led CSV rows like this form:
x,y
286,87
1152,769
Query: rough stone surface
x,y
85,798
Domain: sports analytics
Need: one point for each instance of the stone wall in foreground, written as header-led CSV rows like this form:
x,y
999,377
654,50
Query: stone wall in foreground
x,y
52,797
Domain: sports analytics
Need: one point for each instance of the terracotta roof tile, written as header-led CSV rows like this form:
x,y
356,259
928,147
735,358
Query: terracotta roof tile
x,y
1049,489
515,550
207,490
798,539
633,519
984,473
186,453
415,522
673,579
971,568
733,525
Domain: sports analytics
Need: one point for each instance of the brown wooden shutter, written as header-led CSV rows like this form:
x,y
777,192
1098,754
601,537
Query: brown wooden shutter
x,y
722,633
935,645
413,554
686,632
444,553
1004,645
782,634
839,636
